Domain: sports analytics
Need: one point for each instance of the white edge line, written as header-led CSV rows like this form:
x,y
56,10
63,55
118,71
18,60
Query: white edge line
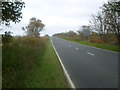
x,y
65,71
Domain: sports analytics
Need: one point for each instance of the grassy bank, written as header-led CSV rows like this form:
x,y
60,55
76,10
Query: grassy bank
x,y
102,46
29,62
18,59
48,73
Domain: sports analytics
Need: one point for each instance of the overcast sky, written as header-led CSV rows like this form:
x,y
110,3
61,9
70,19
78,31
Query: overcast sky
x,y
57,15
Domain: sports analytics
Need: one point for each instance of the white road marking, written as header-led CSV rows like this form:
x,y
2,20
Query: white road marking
x,y
99,48
76,48
90,53
71,84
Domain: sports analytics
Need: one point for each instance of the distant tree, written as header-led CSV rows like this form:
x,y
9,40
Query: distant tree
x,y
111,11
61,34
71,34
11,11
80,34
97,25
34,27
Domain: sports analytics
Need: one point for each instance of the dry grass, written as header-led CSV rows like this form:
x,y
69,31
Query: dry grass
x,y
48,73
19,57
30,62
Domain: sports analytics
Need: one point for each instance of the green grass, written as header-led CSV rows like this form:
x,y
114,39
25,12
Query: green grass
x,y
29,62
48,72
18,59
102,46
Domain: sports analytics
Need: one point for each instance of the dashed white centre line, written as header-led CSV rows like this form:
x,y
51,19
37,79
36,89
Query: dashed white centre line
x,y
90,53
76,48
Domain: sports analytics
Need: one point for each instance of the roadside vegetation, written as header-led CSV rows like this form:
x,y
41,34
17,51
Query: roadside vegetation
x,y
48,72
94,40
103,30
19,57
30,62
98,45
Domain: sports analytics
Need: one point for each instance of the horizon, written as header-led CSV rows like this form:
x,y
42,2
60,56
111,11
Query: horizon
x,y
58,15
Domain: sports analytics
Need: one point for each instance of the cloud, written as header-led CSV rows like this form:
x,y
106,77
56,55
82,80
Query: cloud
x,y
59,15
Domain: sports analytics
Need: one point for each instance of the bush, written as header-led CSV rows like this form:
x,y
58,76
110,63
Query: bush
x,y
97,41
7,38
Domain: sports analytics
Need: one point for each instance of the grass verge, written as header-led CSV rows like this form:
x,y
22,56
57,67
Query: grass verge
x,y
48,73
102,46
29,62
18,59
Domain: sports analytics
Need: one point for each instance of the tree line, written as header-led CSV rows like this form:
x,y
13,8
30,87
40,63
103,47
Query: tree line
x,y
104,26
11,11
107,21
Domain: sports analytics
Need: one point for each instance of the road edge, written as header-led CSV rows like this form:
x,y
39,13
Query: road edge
x,y
92,46
65,71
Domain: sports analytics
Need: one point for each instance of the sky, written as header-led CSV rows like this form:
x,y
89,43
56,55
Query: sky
x,y
57,15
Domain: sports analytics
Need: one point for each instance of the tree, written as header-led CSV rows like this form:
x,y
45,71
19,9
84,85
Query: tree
x,y
111,11
71,34
34,27
11,11
97,24
6,38
80,34
107,22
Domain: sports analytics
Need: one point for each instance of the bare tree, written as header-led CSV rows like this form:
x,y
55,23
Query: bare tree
x,y
111,11
97,25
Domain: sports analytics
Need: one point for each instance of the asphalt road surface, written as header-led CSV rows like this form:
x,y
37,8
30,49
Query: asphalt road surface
x,y
88,67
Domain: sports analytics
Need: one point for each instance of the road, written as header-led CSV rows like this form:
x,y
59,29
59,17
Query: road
x,y
88,67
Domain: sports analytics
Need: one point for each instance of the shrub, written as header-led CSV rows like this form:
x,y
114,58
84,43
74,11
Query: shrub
x,y
6,38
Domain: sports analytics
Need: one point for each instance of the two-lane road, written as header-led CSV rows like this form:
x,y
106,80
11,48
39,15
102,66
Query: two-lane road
x,y
88,67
